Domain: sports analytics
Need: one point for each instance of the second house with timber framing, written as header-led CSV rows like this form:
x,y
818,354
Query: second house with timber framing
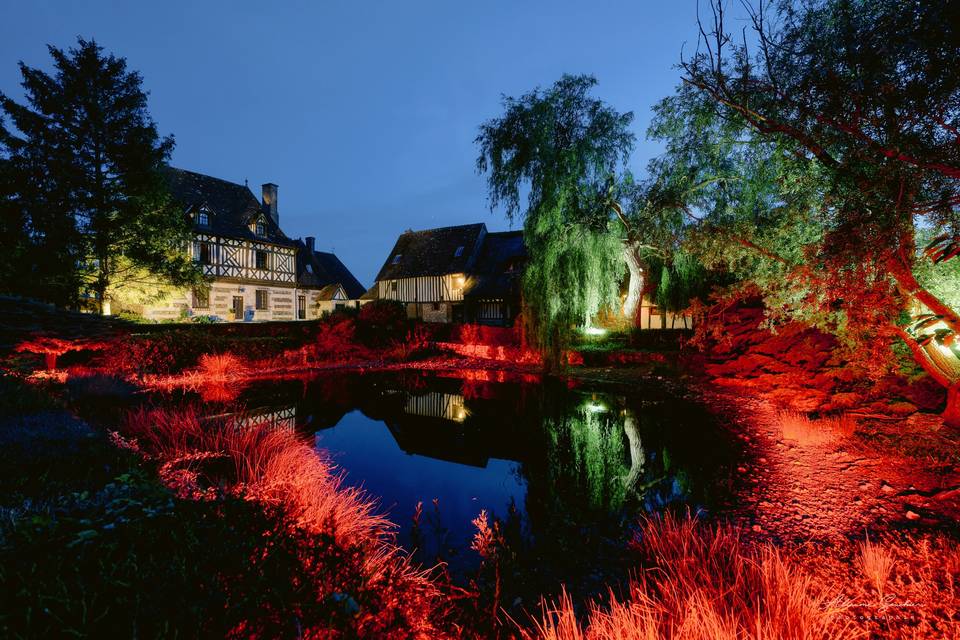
x,y
455,274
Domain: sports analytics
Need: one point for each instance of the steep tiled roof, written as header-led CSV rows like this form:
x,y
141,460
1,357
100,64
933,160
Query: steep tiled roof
x,y
233,207
325,269
433,252
499,265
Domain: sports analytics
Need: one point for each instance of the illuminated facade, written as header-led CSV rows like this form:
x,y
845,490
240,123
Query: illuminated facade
x,y
255,272
455,274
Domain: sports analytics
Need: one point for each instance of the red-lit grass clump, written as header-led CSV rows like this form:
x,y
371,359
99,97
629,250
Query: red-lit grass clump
x,y
219,366
809,431
705,583
699,582
876,563
202,459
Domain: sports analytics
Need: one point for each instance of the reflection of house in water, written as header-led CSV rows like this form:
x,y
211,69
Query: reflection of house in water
x,y
436,425
276,418
447,406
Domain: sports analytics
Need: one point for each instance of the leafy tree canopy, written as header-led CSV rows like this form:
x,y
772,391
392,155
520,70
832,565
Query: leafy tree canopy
x,y
845,116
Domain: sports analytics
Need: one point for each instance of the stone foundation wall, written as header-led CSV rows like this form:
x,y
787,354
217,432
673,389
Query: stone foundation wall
x,y
281,304
436,312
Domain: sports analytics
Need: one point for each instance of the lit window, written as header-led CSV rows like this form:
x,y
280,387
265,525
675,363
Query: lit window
x,y
396,258
261,258
458,252
262,301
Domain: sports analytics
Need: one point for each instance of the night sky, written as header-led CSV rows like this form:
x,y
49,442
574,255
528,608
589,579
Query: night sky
x,y
363,112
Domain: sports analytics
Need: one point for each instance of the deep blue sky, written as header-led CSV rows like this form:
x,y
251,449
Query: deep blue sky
x,y
363,112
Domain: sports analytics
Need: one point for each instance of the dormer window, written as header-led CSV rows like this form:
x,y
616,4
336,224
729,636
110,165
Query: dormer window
x,y
396,258
309,268
458,252
203,218
261,229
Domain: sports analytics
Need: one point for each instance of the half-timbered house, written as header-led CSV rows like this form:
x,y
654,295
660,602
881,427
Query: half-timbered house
x,y
454,274
255,272
468,274
325,284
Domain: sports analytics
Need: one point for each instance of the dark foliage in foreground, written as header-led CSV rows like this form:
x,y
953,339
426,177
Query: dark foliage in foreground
x,y
131,561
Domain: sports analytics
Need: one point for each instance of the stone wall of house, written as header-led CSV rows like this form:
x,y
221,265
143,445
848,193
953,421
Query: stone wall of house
x,y
281,304
436,312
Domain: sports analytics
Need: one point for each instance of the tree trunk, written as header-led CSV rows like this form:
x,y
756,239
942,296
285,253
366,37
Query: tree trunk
x,y
631,305
940,373
103,279
908,284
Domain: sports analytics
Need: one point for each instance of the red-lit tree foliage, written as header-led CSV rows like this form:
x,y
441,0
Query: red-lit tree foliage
x,y
864,99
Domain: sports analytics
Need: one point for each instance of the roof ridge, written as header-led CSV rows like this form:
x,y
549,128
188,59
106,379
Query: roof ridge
x,y
453,226
209,177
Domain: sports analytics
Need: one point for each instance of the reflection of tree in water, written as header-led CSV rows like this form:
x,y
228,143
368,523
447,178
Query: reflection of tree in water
x,y
587,458
605,461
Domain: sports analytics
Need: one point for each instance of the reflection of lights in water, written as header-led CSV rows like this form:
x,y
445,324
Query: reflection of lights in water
x,y
447,406
592,406
594,331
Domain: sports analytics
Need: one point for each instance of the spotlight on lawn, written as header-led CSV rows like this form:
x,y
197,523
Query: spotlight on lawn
x,y
594,331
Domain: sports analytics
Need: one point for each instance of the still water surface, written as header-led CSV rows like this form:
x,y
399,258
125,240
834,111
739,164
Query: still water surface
x,y
567,468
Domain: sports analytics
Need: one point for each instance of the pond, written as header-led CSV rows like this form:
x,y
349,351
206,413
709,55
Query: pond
x,y
567,468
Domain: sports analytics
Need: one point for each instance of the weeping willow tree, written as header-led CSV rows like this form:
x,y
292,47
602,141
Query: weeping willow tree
x,y
573,272
564,149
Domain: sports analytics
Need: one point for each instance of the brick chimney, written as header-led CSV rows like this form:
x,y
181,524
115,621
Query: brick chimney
x,y
270,201
310,241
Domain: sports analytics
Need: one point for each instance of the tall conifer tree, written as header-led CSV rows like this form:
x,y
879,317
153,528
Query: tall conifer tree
x,y
87,192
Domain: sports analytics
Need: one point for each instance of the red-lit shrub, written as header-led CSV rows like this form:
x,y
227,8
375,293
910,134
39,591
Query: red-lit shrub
x,y
336,339
162,353
470,334
220,366
382,322
480,334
